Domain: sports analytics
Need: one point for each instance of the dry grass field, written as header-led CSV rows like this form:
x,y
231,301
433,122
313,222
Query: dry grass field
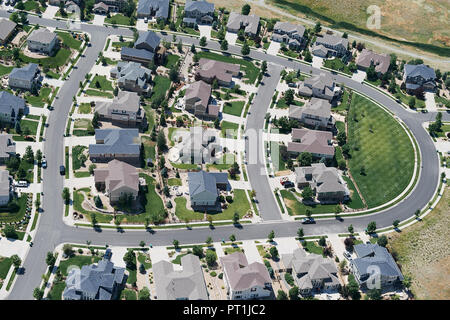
x,y
424,253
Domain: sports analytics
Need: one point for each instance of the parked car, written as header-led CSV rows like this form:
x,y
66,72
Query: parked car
x,y
22,183
62,170
308,221
289,184
44,163
347,255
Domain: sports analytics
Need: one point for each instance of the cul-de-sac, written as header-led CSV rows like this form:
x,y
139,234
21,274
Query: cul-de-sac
x,y
224,150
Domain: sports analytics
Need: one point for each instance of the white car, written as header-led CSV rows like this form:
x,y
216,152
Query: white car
x,y
22,183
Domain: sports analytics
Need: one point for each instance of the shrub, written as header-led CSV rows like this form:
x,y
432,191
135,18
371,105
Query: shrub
x,y
213,274
289,279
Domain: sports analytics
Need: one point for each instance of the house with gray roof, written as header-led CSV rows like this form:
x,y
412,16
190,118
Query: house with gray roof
x,y
132,76
101,8
312,272
117,179
144,50
372,258
198,146
25,78
419,77
209,70
102,281
112,5
185,284
120,144
42,41
367,58
293,35
245,281
5,187
7,29
316,114
336,46
319,86
158,9
198,12
326,182
316,142
197,99
204,186
237,21
124,111
10,107
7,147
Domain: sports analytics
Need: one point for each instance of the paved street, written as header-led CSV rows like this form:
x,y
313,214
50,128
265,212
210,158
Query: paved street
x,y
52,231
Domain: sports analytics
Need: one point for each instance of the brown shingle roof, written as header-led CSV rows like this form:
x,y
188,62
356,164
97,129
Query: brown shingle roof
x,y
313,141
380,61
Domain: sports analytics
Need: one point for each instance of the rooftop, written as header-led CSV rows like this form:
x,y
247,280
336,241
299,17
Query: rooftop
x,y
312,141
42,35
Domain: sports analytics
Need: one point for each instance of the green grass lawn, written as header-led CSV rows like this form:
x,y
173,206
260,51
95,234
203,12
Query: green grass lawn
x,y
58,60
230,250
381,145
5,265
128,294
77,260
76,152
119,19
142,258
225,125
68,40
295,207
97,93
174,182
85,108
184,166
56,290
312,247
78,199
247,67
5,70
343,106
30,125
41,99
149,148
15,216
234,108
171,60
225,162
337,64
122,44
161,86
355,200
101,83
281,165
405,98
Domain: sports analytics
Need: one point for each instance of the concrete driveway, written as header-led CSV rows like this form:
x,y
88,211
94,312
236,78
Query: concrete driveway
x,y
274,47
141,25
359,76
430,103
99,20
205,31
50,12
231,38
317,62
251,252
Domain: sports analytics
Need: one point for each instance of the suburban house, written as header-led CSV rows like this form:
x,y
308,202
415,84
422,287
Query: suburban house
x,y
111,5
185,284
311,272
101,8
7,28
204,186
319,86
118,179
10,107
336,46
243,280
26,78
198,12
210,70
290,34
237,21
316,114
419,77
42,41
197,100
158,9
316,142
372,258
120,144
125,110
7,147
367,58
5,187
145,49
102,281
325,181
199,146
132,76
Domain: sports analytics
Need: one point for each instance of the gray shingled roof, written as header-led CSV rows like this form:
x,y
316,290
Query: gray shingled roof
x,y
116,141
149,38
6,27
200,90
313,141
250,23
332,40
202,6
7,146
288,27
137,53
125,101
381,62
325,179
26,73
117,175
42,35
9,102
188,283
422,70
202,181
4,183
131,71
145,7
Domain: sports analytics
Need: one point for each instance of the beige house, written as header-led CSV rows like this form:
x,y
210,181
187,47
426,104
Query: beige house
x,y
118,179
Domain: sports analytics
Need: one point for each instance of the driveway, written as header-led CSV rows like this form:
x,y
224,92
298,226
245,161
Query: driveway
x,y
141,25
98,20
117,256
231,38
50,12
274,47
286,245
338,245
205,31
251,252
359,76
317,62
158,254
430,103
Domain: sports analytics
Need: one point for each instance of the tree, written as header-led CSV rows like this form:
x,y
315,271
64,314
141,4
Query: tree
x,y
273,252
245,49
348,242
395,223
232,238
245,9
300,233
130,259
264,66
304,159
161,141
317,27
208,241
371,227
411,102
308,213
224,45
173,74
193,50
10,232
341,138
322,241
16,261
197,251
176,243
210,257
417,213
374,294
307,193
68,250
281,295
39,156
95,119
66,195
38,293
382,241
350,229
94,219
353,289
293,293
308,56
29,155
144,294
271,236
407,281
202,41
50,259
236,218
289,96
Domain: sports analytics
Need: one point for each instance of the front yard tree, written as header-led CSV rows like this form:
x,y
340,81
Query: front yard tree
x,y
232,238
39,156
236,218
144,294
417,213
382,241
293,293
317,27
202,41
94,122
371,227
271,236
374,294
208,241
38,293
16,260
193,50
274,252
224,45
300,233
281,295
246,9
161,141
245,49
130,259
289,97
29,155
264,66
307,193
210,257
66,195
350,229
197,251
50,259
176,243
322,241
68,250
304,159
396,223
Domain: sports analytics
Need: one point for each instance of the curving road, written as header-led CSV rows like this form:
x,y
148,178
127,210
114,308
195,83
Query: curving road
x,y
52,231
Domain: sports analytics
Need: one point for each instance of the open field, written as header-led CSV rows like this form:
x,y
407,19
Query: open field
x,y
423,253
380,147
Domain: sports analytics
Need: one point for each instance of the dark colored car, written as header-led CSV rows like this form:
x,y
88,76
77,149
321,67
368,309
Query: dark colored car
x,y
62,170
308,220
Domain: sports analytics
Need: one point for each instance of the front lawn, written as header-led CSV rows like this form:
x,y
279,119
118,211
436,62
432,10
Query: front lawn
x,y
41,99
85,108
101,83
382,155
77,260
119,19
5,70
174,182
172,60
296,207
58,60
97,93
233,127
76,152
69,40
30,126
7,216
234,108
